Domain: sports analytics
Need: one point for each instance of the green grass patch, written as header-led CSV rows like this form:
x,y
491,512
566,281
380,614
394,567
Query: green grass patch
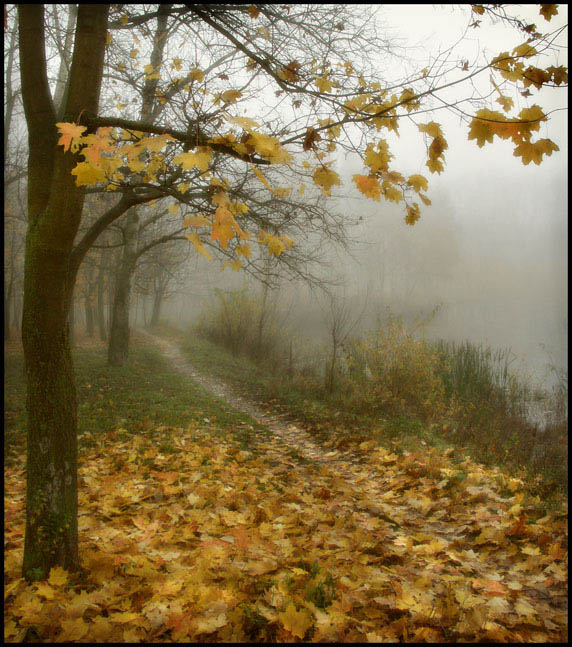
x,y
144,394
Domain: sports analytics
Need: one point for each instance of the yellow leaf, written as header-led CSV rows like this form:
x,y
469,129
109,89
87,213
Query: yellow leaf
x,y
230,96
150,72
243,250
296,622
236,265
534,152
269,148
378,161
174,208
433,129
196,74
524,50
413,214
244,122
46,591
391,193
198,245
325,178
418,182
133,53
274,244
200,159
253,11
196,221
506,102
123,618
323,84
87,175
58,576
208,624
73,630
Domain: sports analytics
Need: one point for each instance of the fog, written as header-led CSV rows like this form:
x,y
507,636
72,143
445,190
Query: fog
x,y
491,249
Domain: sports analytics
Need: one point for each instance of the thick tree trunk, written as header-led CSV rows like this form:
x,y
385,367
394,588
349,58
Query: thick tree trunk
x,y
55,205
71,323
118,349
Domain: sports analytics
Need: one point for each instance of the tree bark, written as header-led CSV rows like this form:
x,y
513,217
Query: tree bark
x,y
55,205
118,349
100,300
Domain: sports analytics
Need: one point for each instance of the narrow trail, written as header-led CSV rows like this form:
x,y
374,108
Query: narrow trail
x,y
453,534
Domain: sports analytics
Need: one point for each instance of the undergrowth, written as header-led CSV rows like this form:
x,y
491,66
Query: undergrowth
x,y
398,384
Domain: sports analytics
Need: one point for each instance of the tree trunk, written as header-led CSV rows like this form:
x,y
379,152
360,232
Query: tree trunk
x,y
100,301
7,302
157,300
55,206
118,349
71,323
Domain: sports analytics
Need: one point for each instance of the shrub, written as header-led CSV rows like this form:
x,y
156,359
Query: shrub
x,y
392,371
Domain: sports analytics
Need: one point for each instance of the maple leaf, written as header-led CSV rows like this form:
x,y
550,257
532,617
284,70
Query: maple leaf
x,y
198,245
196,221
432,129
58,576
323,84
70,135
326,178
378,161
274,244
533,152
290,72
269,148
506,102
46,591
413,214
311,139
548,10
369,186
296,622
231,96
73,630
88,175
200,159
559,74
525,50
253,11
418,182
391,193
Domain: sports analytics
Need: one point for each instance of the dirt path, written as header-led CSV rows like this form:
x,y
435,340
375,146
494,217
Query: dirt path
x,y
284,433
374,494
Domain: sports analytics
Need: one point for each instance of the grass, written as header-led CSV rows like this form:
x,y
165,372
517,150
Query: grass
x,y
144,394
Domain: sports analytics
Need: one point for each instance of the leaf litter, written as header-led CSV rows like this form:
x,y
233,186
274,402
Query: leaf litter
x,y
186,536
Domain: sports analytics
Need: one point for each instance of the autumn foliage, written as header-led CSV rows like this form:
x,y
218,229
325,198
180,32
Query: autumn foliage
x,y
187,537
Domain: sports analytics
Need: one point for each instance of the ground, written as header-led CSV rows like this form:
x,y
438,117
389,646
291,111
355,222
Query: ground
x,y
189,535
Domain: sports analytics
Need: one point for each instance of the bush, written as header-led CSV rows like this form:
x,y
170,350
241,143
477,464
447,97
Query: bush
x,y
246,324
392,371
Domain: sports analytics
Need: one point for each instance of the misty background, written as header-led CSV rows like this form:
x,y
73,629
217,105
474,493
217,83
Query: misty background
x,y
491,250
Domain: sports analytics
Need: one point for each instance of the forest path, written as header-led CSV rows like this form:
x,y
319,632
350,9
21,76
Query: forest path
x,y
430,521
